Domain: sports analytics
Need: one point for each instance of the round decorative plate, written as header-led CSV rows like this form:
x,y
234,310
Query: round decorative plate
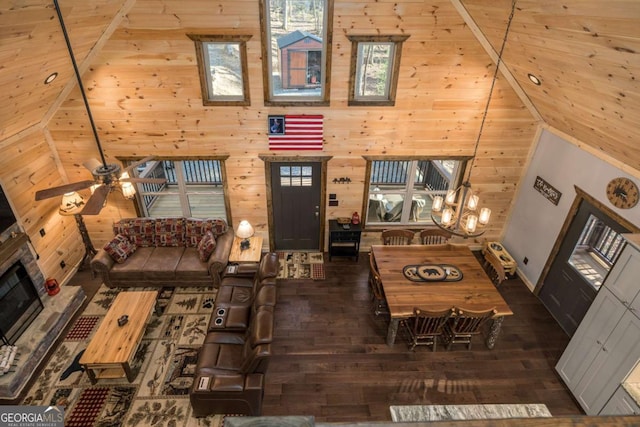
x,y
431,273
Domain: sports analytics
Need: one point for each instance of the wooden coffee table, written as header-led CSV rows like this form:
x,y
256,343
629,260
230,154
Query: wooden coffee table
x,y
111,350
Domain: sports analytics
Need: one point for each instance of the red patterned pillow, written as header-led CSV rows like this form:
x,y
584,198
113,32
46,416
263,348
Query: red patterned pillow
x,y
169,232
120,248
141,231
206,246
196,227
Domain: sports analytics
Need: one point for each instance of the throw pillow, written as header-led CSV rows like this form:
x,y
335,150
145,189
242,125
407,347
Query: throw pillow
x,y
120,248
206,246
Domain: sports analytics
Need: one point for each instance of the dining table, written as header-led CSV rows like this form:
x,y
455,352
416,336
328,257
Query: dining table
x,y
467,285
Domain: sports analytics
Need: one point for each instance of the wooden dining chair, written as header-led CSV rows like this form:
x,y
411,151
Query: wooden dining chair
x,y
465,325
434,236
425,327
375,285
397,237
494,268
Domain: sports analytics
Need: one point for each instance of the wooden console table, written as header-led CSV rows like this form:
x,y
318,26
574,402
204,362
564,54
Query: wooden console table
x,y
112,348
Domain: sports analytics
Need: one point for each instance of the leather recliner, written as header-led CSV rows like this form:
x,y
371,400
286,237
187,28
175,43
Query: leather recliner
x,y
229,375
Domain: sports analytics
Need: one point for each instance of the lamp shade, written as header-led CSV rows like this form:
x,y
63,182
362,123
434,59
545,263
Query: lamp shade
x,y
71,202
245,230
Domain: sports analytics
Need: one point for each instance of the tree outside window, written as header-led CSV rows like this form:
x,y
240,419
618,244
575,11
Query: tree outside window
x,y
375,63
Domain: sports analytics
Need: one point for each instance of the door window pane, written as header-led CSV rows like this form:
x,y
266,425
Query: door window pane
x,y
596,251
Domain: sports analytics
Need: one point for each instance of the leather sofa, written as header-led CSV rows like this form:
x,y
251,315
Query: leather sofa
x,y
232,362
165,252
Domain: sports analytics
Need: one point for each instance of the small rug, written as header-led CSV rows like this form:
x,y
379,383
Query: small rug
x,y
301,265
163,366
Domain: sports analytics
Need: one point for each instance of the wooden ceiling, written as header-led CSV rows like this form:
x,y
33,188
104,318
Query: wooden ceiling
x,y
585,52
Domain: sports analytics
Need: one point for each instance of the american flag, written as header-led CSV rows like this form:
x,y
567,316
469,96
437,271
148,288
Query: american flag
x,y
300,133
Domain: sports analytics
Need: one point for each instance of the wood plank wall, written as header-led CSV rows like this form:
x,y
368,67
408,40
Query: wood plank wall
x,y
145,97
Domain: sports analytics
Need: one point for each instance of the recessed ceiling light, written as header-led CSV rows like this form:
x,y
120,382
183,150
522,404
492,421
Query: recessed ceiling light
x,y
51,77
536,81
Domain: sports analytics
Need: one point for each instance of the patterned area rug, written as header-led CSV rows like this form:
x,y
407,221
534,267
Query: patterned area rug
x,y
301,265
163,364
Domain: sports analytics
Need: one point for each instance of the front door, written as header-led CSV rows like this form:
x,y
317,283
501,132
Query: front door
x,y
295,194
590,246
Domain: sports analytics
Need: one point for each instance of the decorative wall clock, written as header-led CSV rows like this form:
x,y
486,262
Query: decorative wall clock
x,y
622,193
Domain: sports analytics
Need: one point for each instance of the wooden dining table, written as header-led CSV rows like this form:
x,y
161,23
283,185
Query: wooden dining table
x,y
474,291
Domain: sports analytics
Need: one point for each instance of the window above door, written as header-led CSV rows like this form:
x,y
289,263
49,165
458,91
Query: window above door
x,y
296,51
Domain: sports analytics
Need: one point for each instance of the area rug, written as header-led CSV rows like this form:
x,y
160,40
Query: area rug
x,y
163,364
301,265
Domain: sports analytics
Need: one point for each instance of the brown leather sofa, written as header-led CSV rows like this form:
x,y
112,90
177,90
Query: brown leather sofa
x,y
166,253
232,362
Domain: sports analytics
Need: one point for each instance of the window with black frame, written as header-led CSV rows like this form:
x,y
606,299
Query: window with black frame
x,y
401,192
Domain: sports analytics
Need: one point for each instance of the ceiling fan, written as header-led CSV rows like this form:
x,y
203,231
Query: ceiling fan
x,y
106,176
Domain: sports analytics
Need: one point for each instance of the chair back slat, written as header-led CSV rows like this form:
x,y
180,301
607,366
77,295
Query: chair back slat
x,y
434,236
397,237
425,326
495,269
466,324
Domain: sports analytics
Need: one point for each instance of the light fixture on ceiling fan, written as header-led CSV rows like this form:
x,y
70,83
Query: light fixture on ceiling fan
x,y
106,176
458,212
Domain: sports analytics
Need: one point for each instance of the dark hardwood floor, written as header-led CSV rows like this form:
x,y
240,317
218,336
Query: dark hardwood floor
x,y
331,360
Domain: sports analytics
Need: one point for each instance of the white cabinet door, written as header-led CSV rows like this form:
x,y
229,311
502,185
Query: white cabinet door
x,y
621,404
617,357
623,279
595,328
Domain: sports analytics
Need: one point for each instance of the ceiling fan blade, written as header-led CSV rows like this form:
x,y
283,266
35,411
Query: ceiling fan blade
x,y
145,180
137,163
92,164
96,202
60,190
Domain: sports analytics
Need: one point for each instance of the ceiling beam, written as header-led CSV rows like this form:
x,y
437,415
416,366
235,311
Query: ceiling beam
x,y
482,39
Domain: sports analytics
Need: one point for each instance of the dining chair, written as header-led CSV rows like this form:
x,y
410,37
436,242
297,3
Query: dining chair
x,y
434,236
377,293
425,327
397,237
465,325
495,269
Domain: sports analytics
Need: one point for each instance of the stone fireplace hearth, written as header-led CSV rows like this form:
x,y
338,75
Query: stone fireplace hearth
x,y
38,338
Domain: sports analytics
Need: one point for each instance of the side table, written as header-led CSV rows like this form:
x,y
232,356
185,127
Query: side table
x,y
344,241
250,255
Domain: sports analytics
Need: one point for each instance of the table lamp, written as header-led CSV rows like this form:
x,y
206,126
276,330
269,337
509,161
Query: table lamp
x,y
244,231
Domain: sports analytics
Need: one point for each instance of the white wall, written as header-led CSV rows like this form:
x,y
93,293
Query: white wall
x,y
535,222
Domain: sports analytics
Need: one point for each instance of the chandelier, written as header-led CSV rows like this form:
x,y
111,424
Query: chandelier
x,y
457,212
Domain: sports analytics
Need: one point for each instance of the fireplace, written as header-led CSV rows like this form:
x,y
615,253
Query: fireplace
x,y
19,302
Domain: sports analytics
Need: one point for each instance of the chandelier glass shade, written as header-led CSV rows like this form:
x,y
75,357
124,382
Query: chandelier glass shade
x,y
458,212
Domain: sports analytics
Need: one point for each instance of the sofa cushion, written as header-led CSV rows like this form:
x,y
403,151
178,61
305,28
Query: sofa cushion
x,y
162,263
120,248
169,232
206,246
133,268
195,228
140,231
190,265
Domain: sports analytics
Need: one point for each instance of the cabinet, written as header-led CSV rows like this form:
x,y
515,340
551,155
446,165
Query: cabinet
x,y
621,403
344,242
606,345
